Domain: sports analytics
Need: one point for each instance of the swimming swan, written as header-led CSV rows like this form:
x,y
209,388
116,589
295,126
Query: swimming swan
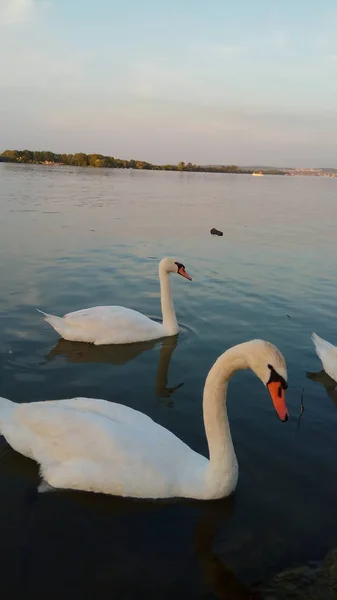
x,y
328,355
99,446
119,325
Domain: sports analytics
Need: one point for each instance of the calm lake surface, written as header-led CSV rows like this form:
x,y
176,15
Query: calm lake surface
x,y
72,238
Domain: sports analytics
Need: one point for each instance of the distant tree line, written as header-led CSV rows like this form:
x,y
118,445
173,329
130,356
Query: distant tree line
x,y
109,162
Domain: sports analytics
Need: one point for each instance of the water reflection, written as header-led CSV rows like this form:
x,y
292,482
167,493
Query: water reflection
x,y
87,540
119,354
327,382
219,576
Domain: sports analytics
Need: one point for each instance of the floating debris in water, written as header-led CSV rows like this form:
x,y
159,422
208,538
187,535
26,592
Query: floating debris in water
x,y
216,231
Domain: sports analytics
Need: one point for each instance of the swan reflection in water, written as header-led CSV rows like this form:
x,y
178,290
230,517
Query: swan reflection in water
x,y
119,354
327,382
91,543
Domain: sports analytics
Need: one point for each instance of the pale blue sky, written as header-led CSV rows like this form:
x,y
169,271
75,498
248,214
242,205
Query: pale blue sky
x,y
244,82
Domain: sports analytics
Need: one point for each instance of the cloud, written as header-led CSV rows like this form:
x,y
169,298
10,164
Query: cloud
x,y
55,69
226,50
280,39
17,11
214,51
38,57
331,58
150,80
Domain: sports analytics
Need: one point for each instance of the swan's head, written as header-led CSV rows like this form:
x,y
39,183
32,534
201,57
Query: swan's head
x,y
269,365
170,265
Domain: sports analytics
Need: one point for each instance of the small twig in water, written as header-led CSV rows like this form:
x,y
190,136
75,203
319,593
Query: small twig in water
x,y
301,410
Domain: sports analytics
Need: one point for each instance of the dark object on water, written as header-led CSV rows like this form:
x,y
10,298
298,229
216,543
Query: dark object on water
x,y
216,231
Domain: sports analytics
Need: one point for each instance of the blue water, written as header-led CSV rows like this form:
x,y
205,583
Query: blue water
x,y
72,238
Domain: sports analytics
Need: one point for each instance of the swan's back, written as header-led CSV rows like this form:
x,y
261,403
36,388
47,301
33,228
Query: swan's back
x,y
94,445
110,410
106,325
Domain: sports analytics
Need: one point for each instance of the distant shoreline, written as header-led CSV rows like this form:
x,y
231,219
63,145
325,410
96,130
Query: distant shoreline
x,y
100,161
109,162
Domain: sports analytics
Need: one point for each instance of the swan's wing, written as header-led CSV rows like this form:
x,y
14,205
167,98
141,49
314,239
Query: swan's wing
x,y
110,410
86,451
328,355
99,314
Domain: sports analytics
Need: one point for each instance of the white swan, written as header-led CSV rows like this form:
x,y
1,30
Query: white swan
x,y
328,355
119,325
99,446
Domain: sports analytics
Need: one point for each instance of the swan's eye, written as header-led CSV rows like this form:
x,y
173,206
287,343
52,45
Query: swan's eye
x,y
180,266
276,377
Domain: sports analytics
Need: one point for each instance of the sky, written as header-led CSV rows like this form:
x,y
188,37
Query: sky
x,y
245,82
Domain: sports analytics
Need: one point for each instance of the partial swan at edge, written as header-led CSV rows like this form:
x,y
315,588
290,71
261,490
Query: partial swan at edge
x,y
328,355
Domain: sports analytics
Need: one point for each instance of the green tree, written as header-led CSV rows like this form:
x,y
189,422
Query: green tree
x,y
109,162
80,159
38,156
49,156
27,156
11,154
96,160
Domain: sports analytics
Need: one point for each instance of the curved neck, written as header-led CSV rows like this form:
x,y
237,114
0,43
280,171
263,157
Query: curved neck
x,y
169,316
223,467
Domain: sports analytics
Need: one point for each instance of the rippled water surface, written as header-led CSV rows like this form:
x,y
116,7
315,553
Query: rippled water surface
x,y
72,238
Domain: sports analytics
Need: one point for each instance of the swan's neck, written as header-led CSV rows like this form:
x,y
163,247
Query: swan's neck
x,y
223,467
169,316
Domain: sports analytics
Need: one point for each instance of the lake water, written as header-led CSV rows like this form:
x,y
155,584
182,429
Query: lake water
x,y
72,238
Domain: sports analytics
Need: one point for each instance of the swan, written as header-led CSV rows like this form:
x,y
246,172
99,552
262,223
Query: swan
x,y
119,325
99,446
328,355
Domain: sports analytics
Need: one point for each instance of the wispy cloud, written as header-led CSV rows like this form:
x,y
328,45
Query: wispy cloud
x,y
331,58
58,66
150,80
226,50
17,11
214,51
53,70
280,39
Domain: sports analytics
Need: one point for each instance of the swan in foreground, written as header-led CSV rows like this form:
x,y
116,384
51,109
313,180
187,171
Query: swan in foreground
x,y
99,446
328,355
119,325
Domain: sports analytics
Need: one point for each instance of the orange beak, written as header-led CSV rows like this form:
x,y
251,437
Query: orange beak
x,y
277,395
184,273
